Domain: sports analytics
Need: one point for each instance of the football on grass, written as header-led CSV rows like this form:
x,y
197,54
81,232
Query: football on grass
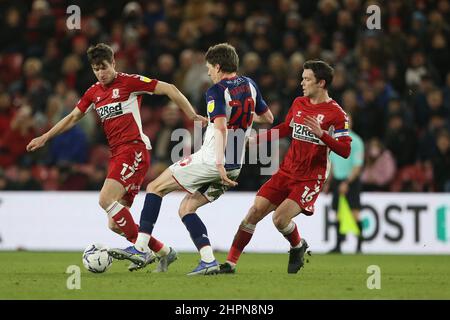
x,y
96,258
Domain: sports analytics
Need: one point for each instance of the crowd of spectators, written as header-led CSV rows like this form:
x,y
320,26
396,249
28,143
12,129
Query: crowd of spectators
x,y
394,81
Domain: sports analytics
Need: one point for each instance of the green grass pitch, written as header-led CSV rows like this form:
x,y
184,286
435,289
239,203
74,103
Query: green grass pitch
x,y
42,275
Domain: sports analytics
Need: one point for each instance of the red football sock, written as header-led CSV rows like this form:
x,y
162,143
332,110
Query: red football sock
x,y
124,220
241,239
155,245
293,237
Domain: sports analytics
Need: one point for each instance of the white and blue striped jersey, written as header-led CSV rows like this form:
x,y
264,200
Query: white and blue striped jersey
x,y
237,99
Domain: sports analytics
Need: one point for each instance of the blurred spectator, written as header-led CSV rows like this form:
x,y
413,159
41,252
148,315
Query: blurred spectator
x,y
70,146
12,36
379,169
441,162
163,145
32,85
14,140
5,184
398,140
6,112
439,54
446,93
416,69
40,26
196,77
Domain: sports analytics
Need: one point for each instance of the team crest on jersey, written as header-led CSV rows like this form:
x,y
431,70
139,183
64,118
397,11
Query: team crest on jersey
x,y
302,132
211,106
320,118
115,94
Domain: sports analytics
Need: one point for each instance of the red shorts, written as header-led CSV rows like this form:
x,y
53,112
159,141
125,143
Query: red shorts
x,y
281,187
129,165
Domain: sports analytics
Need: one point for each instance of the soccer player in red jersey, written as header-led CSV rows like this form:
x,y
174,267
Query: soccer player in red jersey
x,y
116,98
317,125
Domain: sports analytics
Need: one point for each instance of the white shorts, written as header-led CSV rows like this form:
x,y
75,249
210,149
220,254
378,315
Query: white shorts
x,y
193,174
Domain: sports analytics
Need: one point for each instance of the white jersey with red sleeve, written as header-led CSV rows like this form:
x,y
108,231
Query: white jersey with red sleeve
x,y
307,157
118,106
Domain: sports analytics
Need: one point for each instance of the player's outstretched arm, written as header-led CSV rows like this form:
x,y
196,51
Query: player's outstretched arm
x,y
63,125
164,88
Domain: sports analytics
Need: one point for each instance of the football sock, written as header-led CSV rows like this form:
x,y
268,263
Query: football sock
x,y
206,254
241,239
123,218
360,237
154,244
339,237
150,213
291,234
199,235
158,247
164,251
142,242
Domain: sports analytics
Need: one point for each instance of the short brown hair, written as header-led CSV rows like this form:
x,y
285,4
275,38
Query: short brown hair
x,y
99,53
225,56
321,70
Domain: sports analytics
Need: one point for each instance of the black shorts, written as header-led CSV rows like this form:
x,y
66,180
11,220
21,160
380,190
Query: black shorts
x,y
354,189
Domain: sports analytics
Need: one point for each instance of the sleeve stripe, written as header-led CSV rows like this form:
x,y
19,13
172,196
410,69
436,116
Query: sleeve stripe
x,y
340,134
341,130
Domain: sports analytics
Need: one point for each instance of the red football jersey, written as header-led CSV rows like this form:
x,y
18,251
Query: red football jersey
x,y
307,157
118,106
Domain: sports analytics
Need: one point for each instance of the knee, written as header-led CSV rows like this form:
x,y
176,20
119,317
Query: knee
x,y
279,221
185,208
154,187
104,201
150,187
255,215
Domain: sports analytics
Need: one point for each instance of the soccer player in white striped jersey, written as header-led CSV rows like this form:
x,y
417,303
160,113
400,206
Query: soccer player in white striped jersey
x,y
233,103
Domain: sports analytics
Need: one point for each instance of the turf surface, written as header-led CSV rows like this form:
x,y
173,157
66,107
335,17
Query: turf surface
x,y
42,275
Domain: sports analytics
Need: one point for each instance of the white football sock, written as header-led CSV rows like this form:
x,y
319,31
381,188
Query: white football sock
x,y
163,252
206,254
142,242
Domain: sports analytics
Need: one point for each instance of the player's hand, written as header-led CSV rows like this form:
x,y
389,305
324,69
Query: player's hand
x,y
198,117
36,143
223,175
343,188
314,125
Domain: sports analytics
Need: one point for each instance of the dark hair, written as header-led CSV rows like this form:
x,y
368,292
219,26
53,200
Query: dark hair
x,y
99,53
321,70
225,56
